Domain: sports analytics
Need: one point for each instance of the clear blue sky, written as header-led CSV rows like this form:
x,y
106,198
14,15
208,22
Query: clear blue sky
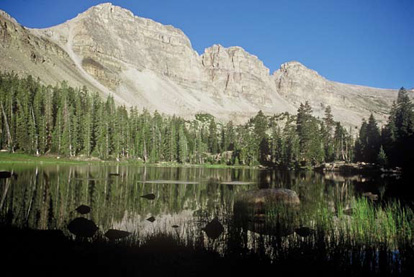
x,y
365,42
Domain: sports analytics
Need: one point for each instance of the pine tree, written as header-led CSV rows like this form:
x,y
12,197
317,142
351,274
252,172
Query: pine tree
x,y
182,145
369,141
310,140
212,137
389,135
291,146
404,131
382,157
327,133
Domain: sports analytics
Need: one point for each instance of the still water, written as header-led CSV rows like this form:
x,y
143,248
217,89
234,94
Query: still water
x,y
180,202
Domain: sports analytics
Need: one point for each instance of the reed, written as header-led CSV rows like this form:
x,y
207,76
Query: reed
x,y
366,223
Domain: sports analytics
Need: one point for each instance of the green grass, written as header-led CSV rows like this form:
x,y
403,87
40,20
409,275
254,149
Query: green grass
x,y
20,158
390,225
374,238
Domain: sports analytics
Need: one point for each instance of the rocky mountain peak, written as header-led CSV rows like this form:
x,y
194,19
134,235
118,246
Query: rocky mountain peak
x,y
107,11
147,64
5,15
296,68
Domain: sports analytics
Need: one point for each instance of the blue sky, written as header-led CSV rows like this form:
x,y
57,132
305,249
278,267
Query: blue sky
x,y
365,42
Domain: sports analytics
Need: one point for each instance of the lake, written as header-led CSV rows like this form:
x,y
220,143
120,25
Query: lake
x,y
203,208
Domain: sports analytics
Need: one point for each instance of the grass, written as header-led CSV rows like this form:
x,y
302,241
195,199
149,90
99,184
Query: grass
x,y
20,158
342,236
390,225
374,239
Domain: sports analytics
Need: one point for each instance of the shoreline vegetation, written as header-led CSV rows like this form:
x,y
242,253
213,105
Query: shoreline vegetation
x,y
338,167
370,239
21,158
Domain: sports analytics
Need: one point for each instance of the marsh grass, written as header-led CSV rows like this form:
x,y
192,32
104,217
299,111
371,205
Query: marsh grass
x,y
371,237
390,224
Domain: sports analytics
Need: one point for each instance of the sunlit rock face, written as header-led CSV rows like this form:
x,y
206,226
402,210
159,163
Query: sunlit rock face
x,y
350,103
234,72
150,65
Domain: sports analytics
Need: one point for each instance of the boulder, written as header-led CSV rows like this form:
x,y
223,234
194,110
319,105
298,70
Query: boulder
x,y
82,227
269,196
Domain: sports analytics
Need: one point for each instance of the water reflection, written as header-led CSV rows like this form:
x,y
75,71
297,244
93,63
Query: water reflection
x,y
196,205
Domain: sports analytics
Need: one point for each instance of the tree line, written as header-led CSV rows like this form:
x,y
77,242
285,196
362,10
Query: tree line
x,y
62,120
393,144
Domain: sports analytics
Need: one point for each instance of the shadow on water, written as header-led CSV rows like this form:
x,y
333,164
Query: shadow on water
x,y
196,221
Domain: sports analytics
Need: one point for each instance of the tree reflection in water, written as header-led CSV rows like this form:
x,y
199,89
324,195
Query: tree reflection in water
x,y
206,208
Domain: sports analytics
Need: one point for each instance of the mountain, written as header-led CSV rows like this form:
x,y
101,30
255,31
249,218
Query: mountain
x,y
149,65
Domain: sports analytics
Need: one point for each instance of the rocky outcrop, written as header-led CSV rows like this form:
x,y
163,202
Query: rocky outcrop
x,y
350,103
269,197
234,72
149,65
24,52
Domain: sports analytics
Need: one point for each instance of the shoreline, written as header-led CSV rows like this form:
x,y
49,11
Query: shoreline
x,y
21,158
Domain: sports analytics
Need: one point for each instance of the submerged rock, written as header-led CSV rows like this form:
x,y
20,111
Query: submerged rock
x,y
83,209
7,174
370,195
214,228
151,219
149,196
113,234
269,196
304,231
82,227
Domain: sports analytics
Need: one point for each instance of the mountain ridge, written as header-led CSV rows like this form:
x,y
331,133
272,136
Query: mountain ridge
x,y
147,64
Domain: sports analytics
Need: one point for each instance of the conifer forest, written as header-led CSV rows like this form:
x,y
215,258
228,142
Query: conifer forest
x,y
62,120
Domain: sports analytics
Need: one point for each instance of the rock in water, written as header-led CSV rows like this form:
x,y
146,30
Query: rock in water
x,y
82,227
304,231
114,234
260,197
7,174
370,195
149,196
214,229
83,209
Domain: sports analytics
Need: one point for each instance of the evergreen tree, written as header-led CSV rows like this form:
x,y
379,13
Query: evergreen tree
x,y
310,141
404,130
369,141
212,137
327,133
182,145
65,121
389,135
382,157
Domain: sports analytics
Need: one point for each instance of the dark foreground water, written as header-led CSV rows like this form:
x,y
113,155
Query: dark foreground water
x,y
188,217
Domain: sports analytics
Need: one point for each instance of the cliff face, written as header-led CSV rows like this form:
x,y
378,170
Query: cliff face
x,y
350,103
146,64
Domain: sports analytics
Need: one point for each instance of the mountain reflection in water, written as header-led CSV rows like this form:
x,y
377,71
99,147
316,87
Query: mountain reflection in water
x,y
195,205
